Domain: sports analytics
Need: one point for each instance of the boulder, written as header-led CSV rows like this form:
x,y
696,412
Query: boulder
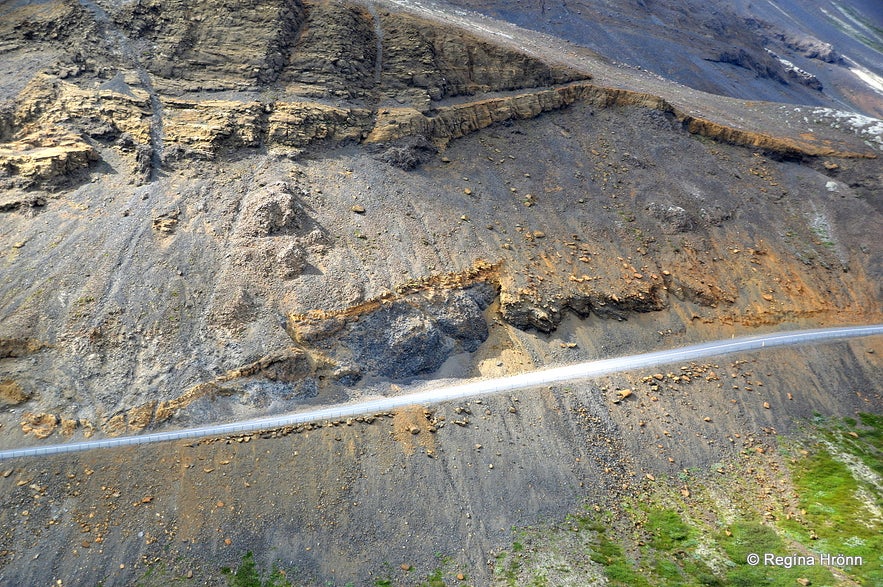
x,y
673,219
398,341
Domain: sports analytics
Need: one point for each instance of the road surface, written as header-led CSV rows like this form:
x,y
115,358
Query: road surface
x,y
471,388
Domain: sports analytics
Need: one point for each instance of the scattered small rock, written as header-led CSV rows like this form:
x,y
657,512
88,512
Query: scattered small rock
x,y
622,394
358,209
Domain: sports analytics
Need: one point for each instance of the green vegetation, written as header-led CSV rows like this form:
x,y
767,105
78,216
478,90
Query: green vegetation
x,y
620,570
823,236
842,509
751,537
507,570
867,444
695,529
828,503
247,575
667,530
435,579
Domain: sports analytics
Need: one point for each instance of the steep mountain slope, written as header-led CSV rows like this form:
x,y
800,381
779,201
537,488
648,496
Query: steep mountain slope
x,y
212,212
223,235
815,53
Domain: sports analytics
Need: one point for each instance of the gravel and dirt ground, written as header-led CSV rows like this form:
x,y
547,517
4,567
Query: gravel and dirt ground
x,y
195,228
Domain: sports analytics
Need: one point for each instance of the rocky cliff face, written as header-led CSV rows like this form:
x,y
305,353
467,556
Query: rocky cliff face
x,y
308,73
788,51
212,211
246,222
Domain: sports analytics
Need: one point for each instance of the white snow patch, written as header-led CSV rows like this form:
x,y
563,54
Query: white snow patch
x,y
867,127
870,78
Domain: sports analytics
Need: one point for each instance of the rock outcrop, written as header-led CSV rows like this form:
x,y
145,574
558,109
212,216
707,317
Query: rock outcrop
x,y
238,238
400,337
12,394
199,46
44,156
295,76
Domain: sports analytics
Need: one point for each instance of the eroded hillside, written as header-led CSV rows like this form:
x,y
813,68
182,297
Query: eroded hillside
x,y
212,213
189,215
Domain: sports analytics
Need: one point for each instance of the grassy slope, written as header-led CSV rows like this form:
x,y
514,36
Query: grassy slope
x,y
818,494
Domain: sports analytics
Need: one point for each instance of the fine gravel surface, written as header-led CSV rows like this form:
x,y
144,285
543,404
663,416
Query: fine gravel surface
x,y
435,487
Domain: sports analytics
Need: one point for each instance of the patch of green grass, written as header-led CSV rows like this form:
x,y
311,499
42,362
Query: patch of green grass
x,y
160,574
434,579
658,539
751,537
247,575
838,519
667,530
620,571
870,445
671,550
507,569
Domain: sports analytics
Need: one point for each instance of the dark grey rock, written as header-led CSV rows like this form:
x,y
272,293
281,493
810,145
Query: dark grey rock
x,y
459,317
673,219
409,153
398,341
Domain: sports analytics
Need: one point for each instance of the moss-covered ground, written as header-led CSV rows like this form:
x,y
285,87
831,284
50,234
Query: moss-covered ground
x,y
814,494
